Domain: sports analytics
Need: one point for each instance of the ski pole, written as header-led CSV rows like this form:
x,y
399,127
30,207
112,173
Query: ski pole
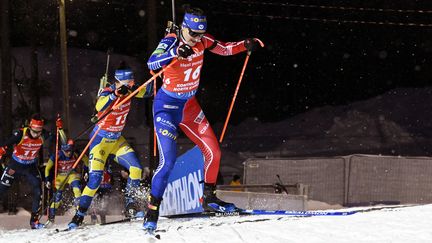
x,y
45,201
126,99
56,153
236,91
234,97
53,185
154,127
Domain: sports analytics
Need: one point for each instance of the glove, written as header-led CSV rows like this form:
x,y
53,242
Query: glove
x,y
251,44
122,90
48,185
184,51
59,123
2,151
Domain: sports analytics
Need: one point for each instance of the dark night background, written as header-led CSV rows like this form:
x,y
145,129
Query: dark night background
x,y
316,55
308,60
335,77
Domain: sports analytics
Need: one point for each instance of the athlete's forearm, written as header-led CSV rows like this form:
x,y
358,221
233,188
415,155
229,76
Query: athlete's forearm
x,y
164,53
105,101
48,167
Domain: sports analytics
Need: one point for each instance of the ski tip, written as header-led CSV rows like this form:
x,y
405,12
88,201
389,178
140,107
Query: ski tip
x,y
57,230
152,234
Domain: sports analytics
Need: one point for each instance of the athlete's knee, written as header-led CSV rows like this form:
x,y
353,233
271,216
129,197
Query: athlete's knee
x,y
58,196
37,191
216,154
135,173
75,184
95,178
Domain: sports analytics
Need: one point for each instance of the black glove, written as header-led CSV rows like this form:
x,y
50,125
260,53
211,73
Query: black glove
x,y
251,44
122,90
184,51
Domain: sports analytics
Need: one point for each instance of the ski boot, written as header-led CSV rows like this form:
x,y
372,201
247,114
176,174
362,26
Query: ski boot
x,y
34,222
77,219
152,215
211,203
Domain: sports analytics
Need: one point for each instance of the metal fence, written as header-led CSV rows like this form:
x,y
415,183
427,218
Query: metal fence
x,y
350,180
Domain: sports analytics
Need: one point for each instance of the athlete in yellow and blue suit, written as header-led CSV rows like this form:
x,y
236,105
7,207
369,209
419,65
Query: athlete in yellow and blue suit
x,y
66,159
109,141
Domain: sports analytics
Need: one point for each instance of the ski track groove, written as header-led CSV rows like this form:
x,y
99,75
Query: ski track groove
x,y
238,234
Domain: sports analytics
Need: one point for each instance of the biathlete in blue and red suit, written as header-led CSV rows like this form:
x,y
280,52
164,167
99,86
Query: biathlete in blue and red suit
x,y
26,143
175,105
109,141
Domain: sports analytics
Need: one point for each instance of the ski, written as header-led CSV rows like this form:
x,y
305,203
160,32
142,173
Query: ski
x,y
65,230
232,208
206,214
152,234
220,211
296,213
244,212
124,220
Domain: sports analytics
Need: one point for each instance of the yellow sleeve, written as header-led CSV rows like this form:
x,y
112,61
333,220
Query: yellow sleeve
x,y
141,93
145,92
103,102
48,167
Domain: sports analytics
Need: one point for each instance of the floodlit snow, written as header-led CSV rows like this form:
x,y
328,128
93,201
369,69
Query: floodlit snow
x,y
409,224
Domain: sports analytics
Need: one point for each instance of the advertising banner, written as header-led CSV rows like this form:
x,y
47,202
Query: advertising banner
x,y
184,190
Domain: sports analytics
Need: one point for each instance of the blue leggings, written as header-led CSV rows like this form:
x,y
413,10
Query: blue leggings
x,y
31,173
100,149
170,114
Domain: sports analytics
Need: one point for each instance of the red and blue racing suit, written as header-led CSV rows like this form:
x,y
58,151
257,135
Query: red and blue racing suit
x,y
175,106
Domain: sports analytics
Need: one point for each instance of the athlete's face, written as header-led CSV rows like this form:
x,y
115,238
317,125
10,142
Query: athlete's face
x,y
35,133
192,37
68,153
129,83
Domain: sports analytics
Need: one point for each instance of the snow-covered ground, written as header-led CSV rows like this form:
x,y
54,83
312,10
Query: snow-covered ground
x,y
409,224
